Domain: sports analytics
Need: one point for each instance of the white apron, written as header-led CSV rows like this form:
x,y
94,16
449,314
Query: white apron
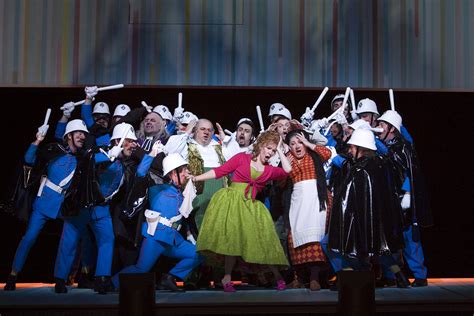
x,y
306,221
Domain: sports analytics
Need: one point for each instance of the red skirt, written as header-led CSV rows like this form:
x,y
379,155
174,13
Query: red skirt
x,y
311,252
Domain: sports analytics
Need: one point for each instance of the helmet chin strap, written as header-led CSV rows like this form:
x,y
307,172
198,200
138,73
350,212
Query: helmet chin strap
x,y
179,178
356,154
388,132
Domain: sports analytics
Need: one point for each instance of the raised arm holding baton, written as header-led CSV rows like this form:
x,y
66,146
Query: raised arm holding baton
x,y
43,129
178,112
307,116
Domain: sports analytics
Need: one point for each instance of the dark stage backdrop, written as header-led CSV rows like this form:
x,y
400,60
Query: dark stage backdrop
x,y
440,123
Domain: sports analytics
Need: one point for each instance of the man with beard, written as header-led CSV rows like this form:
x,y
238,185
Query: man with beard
x,y
110,176
62,162
240,140
411,190
97,120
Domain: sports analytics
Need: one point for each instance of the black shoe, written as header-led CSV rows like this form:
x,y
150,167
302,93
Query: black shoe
x,y
333,287
60,286
11,283
103,284
402,281
168,283
419,283
190,286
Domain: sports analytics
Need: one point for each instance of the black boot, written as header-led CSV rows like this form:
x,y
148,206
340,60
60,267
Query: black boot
x,y
60,286
11,283
168,282
103,284
419,282
402,281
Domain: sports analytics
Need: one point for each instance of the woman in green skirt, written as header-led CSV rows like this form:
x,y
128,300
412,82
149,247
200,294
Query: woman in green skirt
x,y
235,224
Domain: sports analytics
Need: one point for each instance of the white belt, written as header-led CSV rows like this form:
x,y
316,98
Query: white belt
x,y
56,188
154,217
46,182
53,186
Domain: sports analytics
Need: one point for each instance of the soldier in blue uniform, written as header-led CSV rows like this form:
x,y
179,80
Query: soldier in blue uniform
x,y
411,189
110,178
46,206
161,229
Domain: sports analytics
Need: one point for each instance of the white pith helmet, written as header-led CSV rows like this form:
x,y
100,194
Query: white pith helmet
x,y
163,111
363,138
74,126
244,120
101,108
121,110
123,129
188,117
173,161
360,123
279,109
367,106
337,98
392,117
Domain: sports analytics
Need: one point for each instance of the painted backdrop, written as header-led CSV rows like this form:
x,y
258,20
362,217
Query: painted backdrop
x,y
421,44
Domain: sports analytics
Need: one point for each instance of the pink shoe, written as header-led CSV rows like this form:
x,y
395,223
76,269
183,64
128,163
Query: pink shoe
x,y
281,285
229,287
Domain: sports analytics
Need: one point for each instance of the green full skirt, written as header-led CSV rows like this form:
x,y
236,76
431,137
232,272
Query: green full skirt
x,y
236,226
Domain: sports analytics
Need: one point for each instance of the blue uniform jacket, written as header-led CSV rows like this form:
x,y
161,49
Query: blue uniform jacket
x,y
166,199
49,203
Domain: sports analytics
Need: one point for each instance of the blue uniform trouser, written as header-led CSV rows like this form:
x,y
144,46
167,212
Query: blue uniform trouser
x,y
413,255
152,249
337,261
73,229
88,256
36,223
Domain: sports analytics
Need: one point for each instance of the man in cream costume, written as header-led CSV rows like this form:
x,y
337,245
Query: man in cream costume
x,y
203,153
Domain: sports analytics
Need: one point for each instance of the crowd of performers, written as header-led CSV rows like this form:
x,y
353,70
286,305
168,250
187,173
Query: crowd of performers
x,y
274,207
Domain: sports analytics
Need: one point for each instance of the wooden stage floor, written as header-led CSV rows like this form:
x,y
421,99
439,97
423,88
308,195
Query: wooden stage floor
x,y
455,296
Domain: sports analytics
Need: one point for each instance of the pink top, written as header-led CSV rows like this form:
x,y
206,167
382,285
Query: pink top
x,y
240,166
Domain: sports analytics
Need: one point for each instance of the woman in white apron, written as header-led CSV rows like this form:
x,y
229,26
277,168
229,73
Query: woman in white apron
x,y
309,205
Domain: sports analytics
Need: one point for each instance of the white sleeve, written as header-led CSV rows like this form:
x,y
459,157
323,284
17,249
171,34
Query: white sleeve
x,y
230,148
178,144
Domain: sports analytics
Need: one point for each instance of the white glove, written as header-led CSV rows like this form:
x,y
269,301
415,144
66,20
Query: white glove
x,y
149,108
91,92
178,114
67,109
307,117
318,138
157,148
340,118
191,239
114,152
406,201
319,124
42,130
354,115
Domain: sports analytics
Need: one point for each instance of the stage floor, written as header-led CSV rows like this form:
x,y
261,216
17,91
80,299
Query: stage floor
x,y
442,295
